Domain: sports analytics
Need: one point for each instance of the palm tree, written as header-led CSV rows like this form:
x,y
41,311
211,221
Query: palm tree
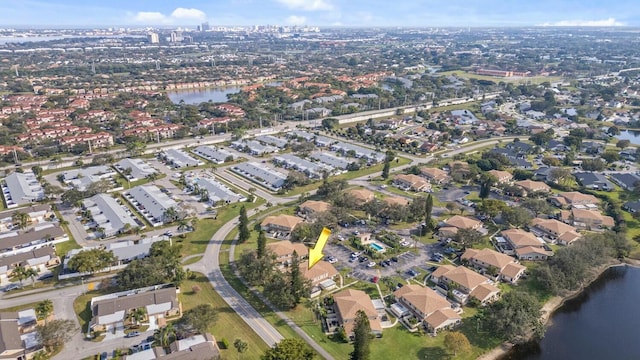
x,y
183,224
241,346
194,223
170,215
20,273
137,315
21,219
44,308
31,273
164,336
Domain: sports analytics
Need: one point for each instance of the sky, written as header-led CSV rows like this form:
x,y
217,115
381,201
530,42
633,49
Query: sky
x,y
362,13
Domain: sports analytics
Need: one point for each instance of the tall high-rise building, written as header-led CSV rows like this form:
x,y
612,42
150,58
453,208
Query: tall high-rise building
x,y
153,38
176,36
205,26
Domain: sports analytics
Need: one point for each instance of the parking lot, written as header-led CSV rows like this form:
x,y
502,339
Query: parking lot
x,y
407,264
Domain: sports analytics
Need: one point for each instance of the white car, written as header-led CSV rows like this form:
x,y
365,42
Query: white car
x,y
332,260
371,264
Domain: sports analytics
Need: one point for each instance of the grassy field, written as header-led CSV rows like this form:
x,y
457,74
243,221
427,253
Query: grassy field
x,y
497,79
228,325
19,307
195,242
347,176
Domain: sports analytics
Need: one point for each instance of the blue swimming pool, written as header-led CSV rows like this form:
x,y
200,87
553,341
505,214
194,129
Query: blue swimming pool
x,y
376,247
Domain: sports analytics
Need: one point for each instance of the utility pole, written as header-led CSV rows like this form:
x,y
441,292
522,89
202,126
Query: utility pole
x,y
90,150
93,66
157,64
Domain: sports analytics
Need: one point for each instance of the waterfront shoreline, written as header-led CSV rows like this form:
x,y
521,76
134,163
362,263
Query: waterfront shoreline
x,y
552,305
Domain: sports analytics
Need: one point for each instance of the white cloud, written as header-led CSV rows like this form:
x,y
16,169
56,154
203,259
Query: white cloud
x,y
179,15
307,5
190,14
296,20
149,17
603,22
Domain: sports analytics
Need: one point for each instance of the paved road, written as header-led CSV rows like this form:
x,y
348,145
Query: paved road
x,y
210,265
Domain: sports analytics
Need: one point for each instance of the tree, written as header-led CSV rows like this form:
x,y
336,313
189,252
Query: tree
x,y
385,169
537,206
330,123
491,207
451,207
623,144
362,337
91,260
428,209
164,335
262,245
55,333
468,237
610,156
44,308
20,273
200,318
457,342
559,175
516,216
298,286
137,315
487,181
514,316
243,226
170,215
289,349
21,219
241,346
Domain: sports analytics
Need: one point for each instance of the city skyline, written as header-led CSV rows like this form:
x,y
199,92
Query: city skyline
x,y
426,13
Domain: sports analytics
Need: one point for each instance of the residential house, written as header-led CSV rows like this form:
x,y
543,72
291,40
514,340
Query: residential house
x,y
531,186
179,158
319,273
587,219
280,223
216,191
213,154
361,196
311,207
503,177
573,198
40,259
495,263
533,253
284,249
463,222
346,305
411,182
42,235
427,306
434,175
110,311
550,229
151,203
196,347
626,181
21,188
261,174
36,213
593,181
525,245
139,169
468,283
18,336
396,201
632,206
109,214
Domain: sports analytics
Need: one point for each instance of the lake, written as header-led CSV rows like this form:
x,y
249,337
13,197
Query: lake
x,y
197,96
215,94
601,323
633,136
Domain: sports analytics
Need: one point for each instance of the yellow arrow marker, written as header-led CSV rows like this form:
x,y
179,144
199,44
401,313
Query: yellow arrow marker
x,y
315,254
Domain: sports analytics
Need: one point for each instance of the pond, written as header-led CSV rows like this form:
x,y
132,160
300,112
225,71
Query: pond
x,y
633,136
197,96
601,323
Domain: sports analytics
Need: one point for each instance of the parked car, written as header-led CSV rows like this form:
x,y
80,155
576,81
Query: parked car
x,y
12,287
332,260
394,259
104,355
371,264
374,280
132,334
412,272
46,276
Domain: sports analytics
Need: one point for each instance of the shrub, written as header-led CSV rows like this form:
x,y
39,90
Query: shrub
x,y
224,343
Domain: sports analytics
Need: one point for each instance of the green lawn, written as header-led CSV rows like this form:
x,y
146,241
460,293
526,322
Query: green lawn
x,y
228,325
348,176
20,307
64,247
195,242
